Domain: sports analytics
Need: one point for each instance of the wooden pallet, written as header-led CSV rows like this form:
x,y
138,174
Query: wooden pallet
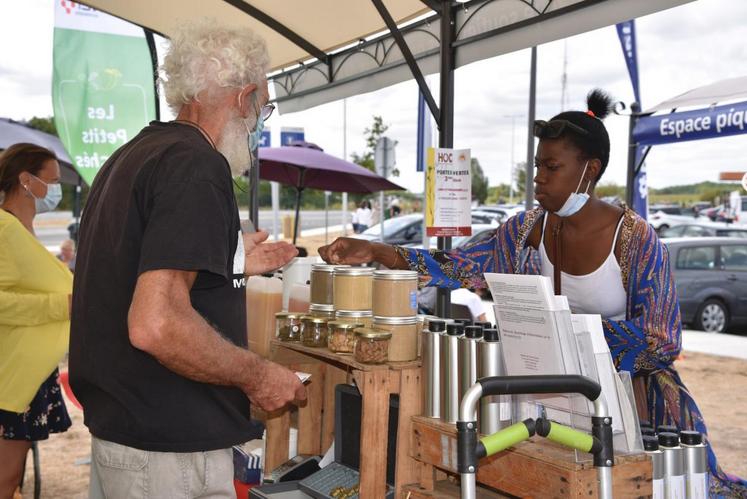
x,y
316,417
535,468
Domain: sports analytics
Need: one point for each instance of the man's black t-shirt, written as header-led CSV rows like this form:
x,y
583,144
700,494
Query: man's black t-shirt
x,y
163,201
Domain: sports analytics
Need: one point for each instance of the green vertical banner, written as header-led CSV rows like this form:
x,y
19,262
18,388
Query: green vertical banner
x,y
102,85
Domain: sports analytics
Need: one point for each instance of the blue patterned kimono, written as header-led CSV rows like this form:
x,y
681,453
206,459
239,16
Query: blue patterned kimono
x,y
646,343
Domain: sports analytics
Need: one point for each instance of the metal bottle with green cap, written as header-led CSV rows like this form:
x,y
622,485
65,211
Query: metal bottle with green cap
x,y
495,410
674,465
450,372
468,359
431,343
696,464
651,446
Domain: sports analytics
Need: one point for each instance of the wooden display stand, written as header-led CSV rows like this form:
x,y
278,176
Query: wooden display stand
x,y
535,468
316,417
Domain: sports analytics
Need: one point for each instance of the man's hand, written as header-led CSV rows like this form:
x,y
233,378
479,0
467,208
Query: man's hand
x,y
262,257
274,387
347,251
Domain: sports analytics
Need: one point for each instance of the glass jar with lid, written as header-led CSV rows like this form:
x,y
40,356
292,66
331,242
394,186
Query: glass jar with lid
x,y
395,293
364,317
404,344
371,346
341,337
322,310
352,288
321,283
314,331
288,326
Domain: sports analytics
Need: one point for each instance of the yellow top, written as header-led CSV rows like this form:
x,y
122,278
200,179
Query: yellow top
x,y
34,316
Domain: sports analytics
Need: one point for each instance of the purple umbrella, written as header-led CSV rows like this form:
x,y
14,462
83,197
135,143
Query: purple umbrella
x,y
304,165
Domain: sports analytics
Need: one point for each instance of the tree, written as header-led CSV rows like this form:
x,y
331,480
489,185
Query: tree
x,y
373,135
479,182
44,124
520,179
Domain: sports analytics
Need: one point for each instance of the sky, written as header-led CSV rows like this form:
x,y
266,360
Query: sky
x,y
678,49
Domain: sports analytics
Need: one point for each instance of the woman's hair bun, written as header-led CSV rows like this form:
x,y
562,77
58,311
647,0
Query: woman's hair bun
x,y
599,102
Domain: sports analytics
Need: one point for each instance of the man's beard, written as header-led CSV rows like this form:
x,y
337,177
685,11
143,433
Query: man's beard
x,y
234,146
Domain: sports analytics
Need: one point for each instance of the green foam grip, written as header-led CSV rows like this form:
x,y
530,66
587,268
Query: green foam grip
x,y
505,438
570,437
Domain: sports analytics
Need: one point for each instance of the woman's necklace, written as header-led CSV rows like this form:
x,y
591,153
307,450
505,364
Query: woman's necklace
x,y
202,130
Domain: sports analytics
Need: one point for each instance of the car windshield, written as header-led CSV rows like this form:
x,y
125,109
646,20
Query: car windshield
x,y
393,225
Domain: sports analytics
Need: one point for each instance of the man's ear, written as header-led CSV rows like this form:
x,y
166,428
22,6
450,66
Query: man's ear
x,y
245,100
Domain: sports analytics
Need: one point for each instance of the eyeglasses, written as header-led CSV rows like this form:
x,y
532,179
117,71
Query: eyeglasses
x,y
266,111
555,128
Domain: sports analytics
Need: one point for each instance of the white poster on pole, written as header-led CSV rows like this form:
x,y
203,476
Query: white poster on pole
x,y
448,193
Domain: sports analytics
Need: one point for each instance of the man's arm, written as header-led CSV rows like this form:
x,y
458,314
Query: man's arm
x,y
162,322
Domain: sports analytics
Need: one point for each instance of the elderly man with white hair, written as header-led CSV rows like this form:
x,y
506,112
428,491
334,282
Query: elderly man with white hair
x,y
158,351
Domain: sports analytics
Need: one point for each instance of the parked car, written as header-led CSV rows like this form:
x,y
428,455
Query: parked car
x,y
711,278
407,229
480,232
712,229
663,216
487,217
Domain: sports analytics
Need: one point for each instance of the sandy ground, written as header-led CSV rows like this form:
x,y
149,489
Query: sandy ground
x,y
718,384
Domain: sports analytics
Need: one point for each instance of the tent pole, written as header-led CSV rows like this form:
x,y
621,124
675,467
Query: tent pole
x,y
76,208
253,190
635,108
529,181
446,122
299,192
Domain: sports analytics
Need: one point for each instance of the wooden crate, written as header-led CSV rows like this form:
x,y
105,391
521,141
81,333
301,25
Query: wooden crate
x,y
535,468
316,416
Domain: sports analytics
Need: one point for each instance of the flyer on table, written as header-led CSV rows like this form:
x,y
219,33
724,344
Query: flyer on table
x,y
448,193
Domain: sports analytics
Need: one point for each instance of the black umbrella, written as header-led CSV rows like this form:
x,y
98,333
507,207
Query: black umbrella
x,y
13,132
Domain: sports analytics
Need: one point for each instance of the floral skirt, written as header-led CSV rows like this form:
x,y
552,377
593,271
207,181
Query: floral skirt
x,y
46,414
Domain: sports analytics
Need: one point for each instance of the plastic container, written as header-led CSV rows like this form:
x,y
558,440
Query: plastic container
x,y
314,331
298,298
264,298
371,346
341,338
296,272
404,345
288,326
395,293
322,284
364,317
353,288
322,310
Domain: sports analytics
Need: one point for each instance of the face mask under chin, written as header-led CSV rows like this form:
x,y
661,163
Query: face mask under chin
x,y
576,200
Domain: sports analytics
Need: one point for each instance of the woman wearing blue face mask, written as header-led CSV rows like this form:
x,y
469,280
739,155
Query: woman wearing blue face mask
x,y
35,292
605,259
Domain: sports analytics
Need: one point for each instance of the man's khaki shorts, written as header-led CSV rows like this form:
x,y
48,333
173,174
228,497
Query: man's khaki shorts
x,y
119,472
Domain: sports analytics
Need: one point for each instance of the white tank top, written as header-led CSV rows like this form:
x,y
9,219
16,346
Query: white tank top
x,y
599,292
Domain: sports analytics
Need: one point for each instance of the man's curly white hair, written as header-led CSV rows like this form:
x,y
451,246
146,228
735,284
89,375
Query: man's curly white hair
x,y
205,57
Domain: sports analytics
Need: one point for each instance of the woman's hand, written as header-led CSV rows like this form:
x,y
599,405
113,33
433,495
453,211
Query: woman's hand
x,y
347,251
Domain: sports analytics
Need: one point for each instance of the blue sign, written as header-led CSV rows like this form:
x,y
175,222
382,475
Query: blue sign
x,y
709,123
265,140
289,136
424,133
626,32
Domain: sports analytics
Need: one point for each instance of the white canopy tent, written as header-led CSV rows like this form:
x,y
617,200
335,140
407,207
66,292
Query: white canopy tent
x,y
707,95
325,50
